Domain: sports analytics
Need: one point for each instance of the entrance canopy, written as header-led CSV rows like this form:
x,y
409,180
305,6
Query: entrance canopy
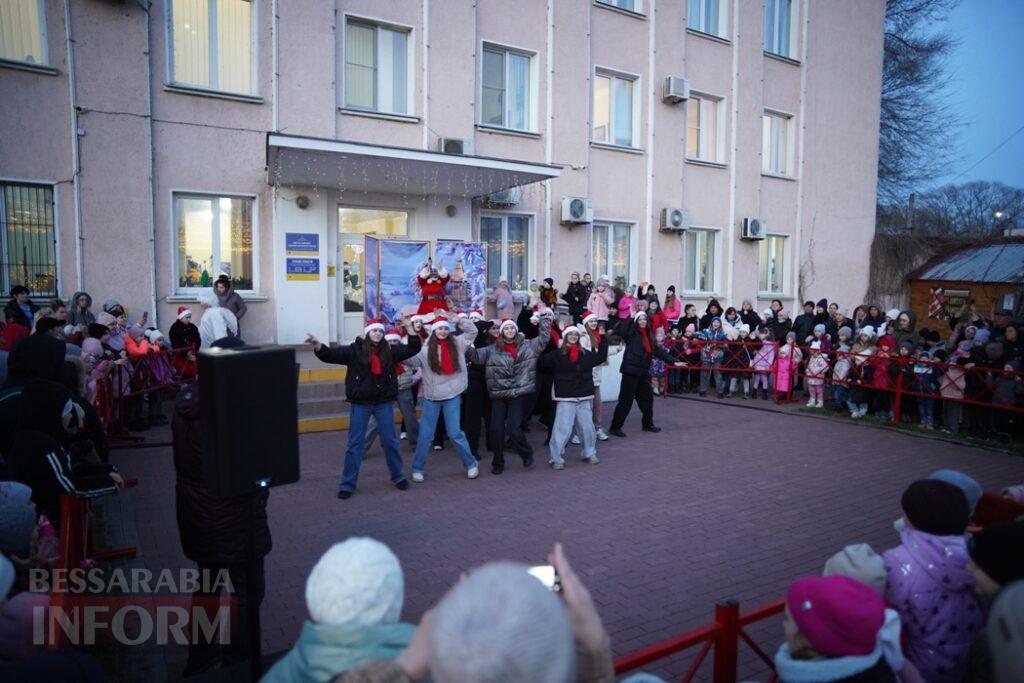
x,y
355,166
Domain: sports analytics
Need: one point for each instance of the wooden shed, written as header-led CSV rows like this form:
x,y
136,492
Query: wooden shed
x,y
992,275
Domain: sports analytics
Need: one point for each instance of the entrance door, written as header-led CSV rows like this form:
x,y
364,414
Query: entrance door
x,y
353,224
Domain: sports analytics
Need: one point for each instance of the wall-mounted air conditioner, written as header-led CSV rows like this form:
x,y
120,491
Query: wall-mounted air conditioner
x,y
577,210
463,146
508,197
753,229
677,89
674,220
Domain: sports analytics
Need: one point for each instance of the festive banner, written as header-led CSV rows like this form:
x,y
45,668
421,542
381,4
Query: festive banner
x,y
467,264
399,262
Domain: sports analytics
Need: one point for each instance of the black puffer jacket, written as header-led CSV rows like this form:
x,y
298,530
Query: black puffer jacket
x,y
635,359
184,335
574,381
212,529
576,296
362,386
709,315
803,327
15,315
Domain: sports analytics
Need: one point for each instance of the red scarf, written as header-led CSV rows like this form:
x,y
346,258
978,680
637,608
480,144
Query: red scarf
x,y
447,365
647,342
574,353
557,337
595,338
375,366
511,349
399,368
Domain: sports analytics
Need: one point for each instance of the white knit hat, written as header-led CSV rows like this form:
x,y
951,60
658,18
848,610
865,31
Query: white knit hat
x,y
744,328
358,582
154,335
868,330
508,322
768,312
892,313
208,299
501,625
859,562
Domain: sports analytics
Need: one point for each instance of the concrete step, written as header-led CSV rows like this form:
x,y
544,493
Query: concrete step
x,y
328,389
317,405
330,422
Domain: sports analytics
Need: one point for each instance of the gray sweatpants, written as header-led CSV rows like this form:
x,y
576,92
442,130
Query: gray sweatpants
x,y
412,424
567,415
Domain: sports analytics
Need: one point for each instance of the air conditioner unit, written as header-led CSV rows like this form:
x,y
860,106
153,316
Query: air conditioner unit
x,y
753,229
674,220
677,90
461,146
577,210
509,197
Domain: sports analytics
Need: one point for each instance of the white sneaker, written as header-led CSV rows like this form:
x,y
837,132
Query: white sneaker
x,y
601,436
418,477
810,403
403,436
593,460
437,447
575,440
558,466
473,472
819,404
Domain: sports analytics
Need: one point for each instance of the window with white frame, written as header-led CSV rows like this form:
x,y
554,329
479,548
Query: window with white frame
x,y
777,143
705,128
505,89
611,252
772,265
707,16
507,240
699,247
376,67
212,43
214,237
28,253
23,31
616,115
628,5
778,27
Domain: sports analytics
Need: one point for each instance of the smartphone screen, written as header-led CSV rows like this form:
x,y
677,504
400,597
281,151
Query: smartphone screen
x,y
545,573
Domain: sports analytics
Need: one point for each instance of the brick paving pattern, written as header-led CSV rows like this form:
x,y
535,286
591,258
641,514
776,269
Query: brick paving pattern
x,y
724,503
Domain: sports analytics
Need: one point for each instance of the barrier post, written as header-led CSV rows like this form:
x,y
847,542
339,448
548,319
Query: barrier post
x,y
898,400
726,665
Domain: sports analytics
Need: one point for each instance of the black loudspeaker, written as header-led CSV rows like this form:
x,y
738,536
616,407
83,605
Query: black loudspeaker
x,y
249,414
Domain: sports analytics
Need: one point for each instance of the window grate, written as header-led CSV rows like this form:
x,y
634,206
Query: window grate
x,y
28,251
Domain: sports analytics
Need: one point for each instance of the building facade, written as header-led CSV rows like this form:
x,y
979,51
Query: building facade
x,y
147,150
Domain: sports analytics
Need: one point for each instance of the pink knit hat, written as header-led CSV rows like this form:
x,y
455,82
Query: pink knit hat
x,y
105,319
838,615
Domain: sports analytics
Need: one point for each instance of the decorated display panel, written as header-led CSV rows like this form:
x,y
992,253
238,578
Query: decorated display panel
x,y
398,263
466,263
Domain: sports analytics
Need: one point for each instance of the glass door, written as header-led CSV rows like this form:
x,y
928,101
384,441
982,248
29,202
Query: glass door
x,y
353,225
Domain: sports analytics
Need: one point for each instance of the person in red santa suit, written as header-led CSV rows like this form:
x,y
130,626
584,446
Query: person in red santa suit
x,y
432,282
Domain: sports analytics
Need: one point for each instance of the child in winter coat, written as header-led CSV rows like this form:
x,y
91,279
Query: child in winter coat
x,y
600,300
861,372
817,368
712,354
657,364
675,345
656,316
928,583
1007,392
627,302
952,381
763,360
841,370
925,385
789,358
881,381
502,298
591,340
739,357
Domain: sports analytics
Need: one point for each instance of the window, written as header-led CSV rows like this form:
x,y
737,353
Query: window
x,y
614,102
705,128
772,265
508,247
373,222
505,89
214,238
699,260
778,17
707,16
23,31
628,5
28,254
376,68
213,45
611,252
776,143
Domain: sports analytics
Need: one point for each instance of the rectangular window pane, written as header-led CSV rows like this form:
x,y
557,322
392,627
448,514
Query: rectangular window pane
x,y
21,37
711,16
693,127
778,263
373,222
391,71
602,108
600,250
518,248
620,255
27,237
360,66
706,261
490,235
195,241
782,147
709,143
191,33
235,237
766,143
769,25
623,116
762,265
693,14
518,91
493,105
782,27
234,46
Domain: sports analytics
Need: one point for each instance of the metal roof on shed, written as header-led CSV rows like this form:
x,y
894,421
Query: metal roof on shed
x,y
991,263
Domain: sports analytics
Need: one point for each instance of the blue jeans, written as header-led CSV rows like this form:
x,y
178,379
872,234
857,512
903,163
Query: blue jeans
x,y
359,417
926,409
428,423
841,392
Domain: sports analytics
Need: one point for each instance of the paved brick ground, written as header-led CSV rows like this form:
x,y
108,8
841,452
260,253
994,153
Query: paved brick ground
x,y
726,502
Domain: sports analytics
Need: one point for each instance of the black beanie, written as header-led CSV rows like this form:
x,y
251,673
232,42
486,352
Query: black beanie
x,y
809,303
96,331
44,325
935,507
999,551
823,303
551,283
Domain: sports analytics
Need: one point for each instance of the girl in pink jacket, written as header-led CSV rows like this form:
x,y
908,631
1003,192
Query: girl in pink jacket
x,y
626,302
600,299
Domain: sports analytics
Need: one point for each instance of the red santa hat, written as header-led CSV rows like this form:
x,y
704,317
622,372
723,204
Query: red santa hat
x,y
183,312
588,316
374,324
476,315
437,324
508,322
392,334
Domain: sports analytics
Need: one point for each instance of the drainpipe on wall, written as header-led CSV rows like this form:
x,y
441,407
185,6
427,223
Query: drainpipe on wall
x,y
549,47
75,159
149,161
649,198
275,29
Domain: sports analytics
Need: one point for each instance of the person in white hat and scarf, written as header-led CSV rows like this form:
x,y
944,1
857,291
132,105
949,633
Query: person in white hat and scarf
x,y
217,322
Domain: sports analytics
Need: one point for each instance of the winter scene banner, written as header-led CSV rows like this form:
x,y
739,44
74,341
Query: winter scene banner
x,y
399,263
370,276
467,264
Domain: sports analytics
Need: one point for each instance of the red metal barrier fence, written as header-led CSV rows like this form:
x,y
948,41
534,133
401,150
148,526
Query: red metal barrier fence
x,y
723,635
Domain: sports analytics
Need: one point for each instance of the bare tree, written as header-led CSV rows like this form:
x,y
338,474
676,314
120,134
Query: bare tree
x,y
979,209
917,124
